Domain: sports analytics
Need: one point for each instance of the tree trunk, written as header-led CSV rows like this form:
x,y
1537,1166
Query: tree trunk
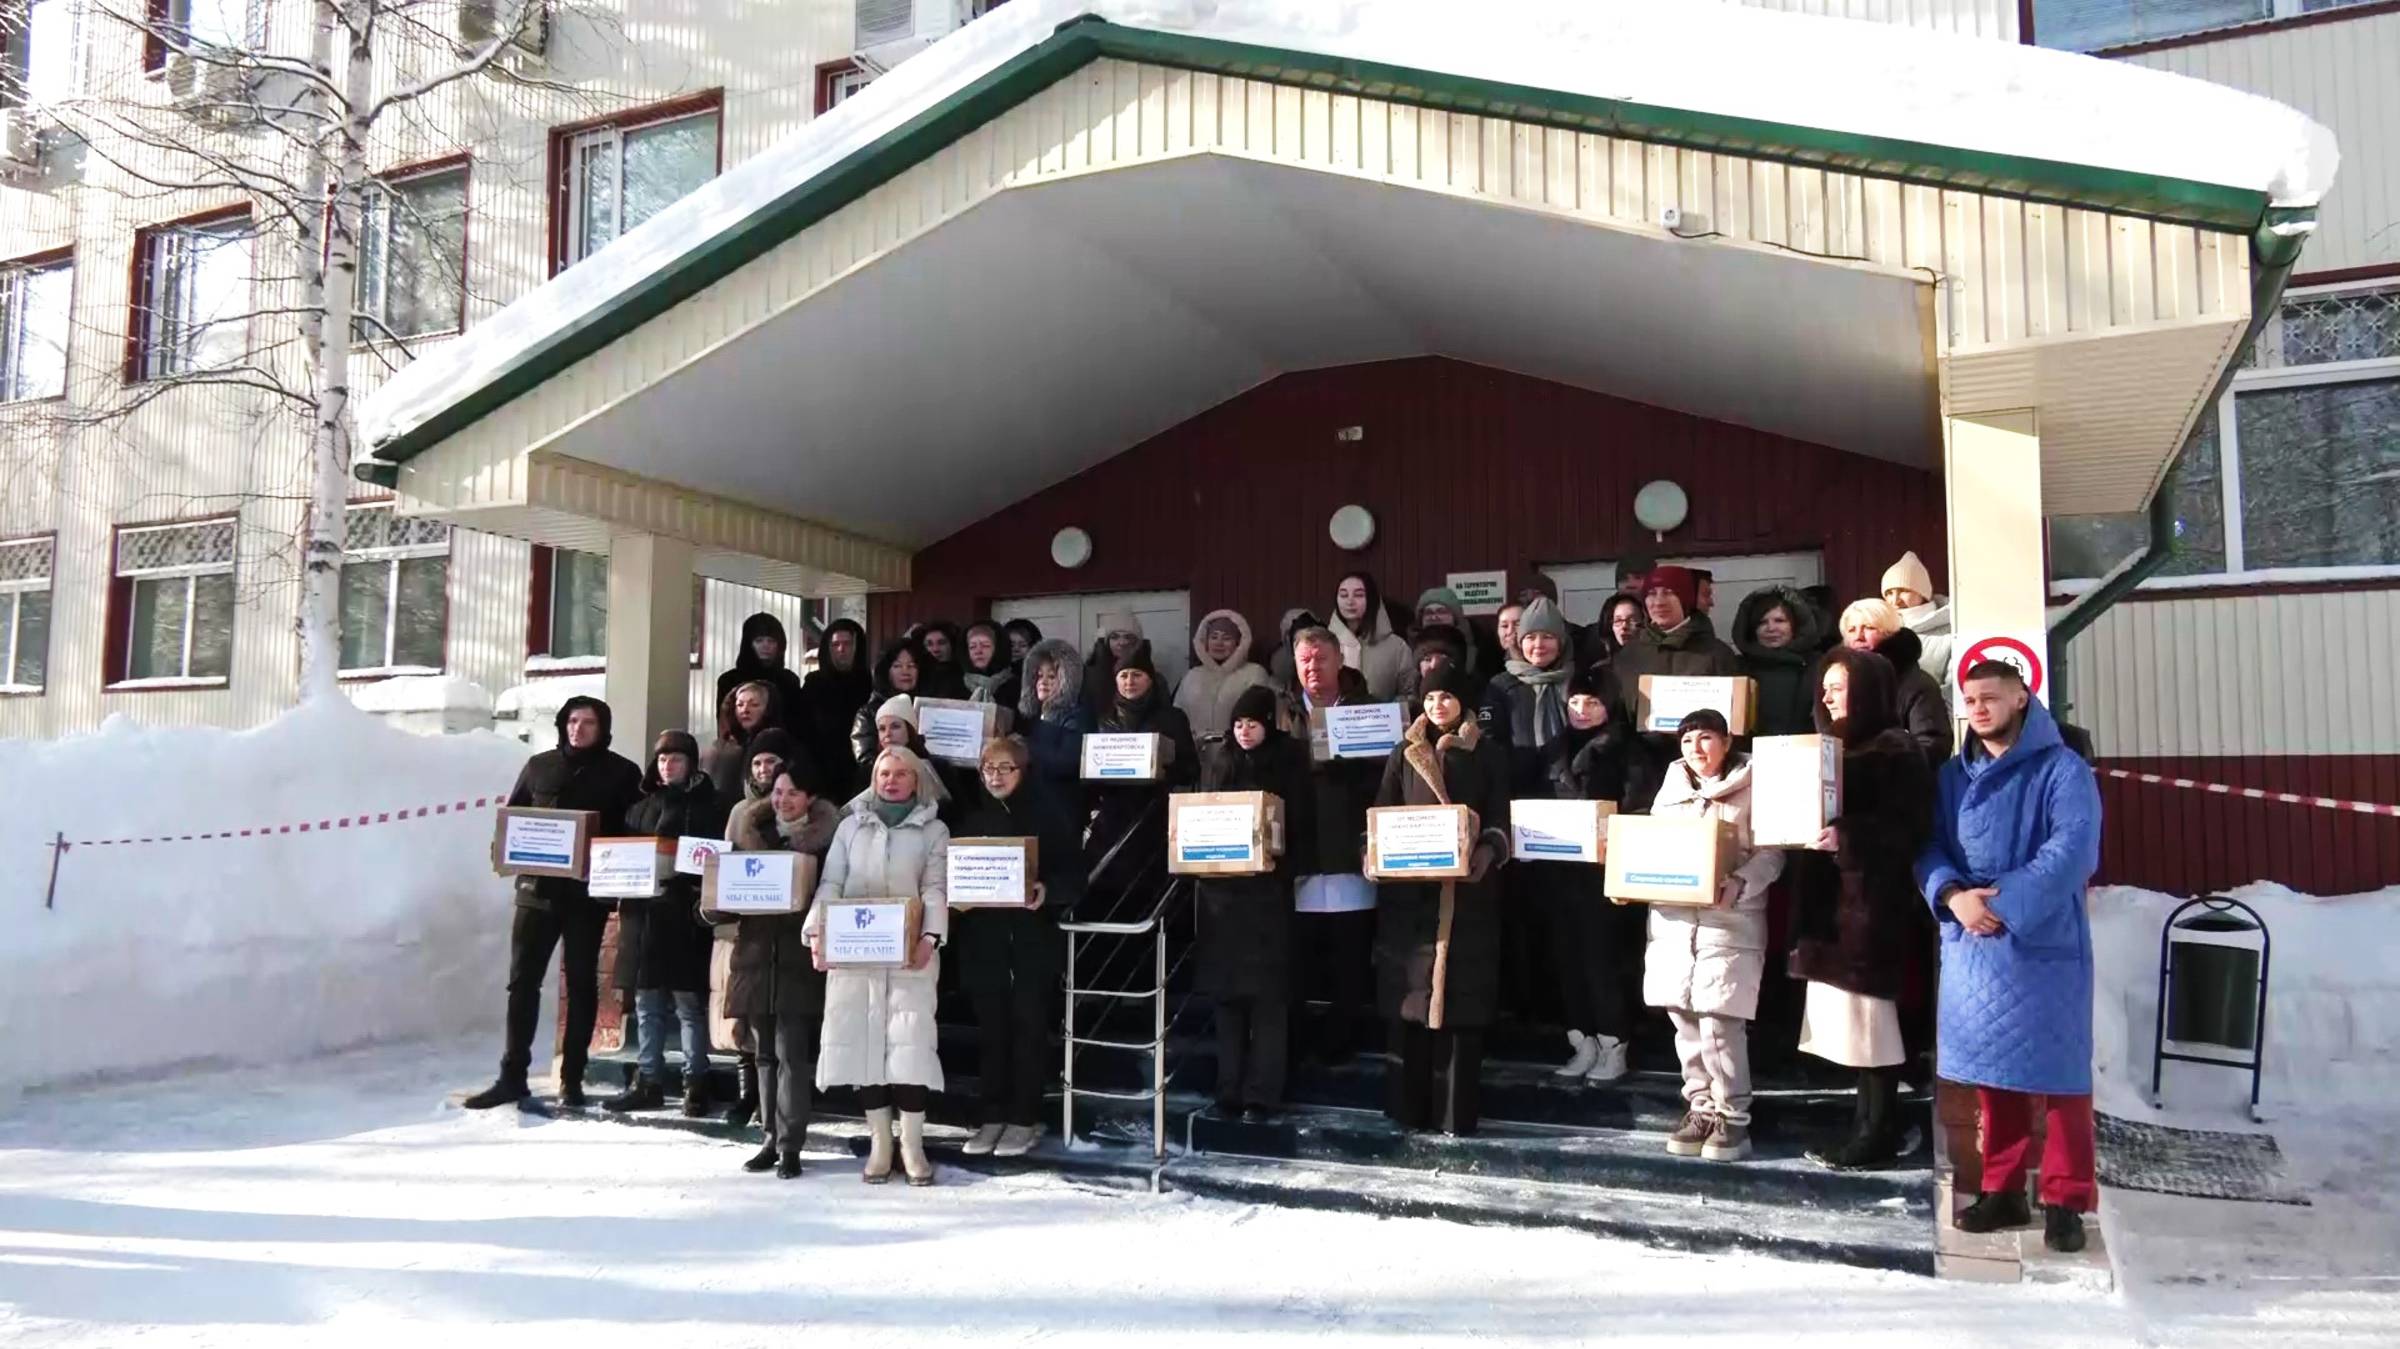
x,y
329,276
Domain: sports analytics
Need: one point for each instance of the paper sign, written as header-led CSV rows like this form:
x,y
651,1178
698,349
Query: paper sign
x,y
988,873
1216,833
954,730
1128,757
539,841
625,868
869,932
1356,730
761,882
2028,651
1413,840
1481,592
692,854
1795,789
1558,831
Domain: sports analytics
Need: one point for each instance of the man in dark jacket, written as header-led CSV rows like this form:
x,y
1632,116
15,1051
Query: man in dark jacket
x,y
764,648
580,774
1333,932
832,695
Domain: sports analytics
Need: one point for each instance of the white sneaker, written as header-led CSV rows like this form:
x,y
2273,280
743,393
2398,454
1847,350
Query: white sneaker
x,y
1016,1140
1587,1047
985,1139
1608,1059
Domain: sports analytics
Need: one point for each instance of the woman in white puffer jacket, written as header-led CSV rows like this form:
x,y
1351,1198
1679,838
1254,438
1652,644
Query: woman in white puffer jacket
x,y
1222,671
1704,965
879,1032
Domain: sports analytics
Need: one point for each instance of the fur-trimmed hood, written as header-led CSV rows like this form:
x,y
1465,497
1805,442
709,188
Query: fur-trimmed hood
x,y
1070,680
752,828
1241,654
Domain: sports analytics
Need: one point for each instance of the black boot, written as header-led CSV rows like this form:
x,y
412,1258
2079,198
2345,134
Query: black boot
x,y
570,1083
788,1165
745,1103
695,1095
763,1159
644,1093
1875,1141
1995,1210
505,1090
2062,1229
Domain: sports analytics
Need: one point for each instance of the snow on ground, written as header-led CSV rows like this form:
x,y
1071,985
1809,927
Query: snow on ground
x,y
341,1196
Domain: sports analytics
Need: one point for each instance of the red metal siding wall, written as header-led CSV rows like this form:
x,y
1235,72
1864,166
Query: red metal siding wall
x,y
1466,468
2185,841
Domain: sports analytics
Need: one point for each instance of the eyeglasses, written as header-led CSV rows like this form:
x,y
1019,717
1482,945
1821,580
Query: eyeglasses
x,y
1002,769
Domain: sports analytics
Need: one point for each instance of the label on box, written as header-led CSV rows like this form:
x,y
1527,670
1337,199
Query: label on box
x,y
1361,730
1417,840
536,841
1557,831
869,933
1674,697
1216,833
623,868
987,873
755,882
1130,756
1795,789
692,854
952,730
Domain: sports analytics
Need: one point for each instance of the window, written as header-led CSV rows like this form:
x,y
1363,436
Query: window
x,y
412,258
395,592
171,606
39,60
178,25
837,81
2091,25
578,606
24,613
2297,466
34,300
192,297
618,176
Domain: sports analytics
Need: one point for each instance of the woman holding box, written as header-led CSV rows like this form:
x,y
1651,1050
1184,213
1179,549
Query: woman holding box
x,y
1705,965
772,986
662,942
1009,959
1137,809
1864,936
1246,921
1442,760
879,1034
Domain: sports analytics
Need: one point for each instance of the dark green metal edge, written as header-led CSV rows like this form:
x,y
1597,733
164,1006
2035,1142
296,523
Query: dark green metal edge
x,y
1082,41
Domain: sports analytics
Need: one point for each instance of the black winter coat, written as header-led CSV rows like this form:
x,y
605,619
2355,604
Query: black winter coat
x,y
771,973
1474,771
789,699
1245,946
561,779
1340,790
1786,675
830,699
662,942
1923,710
1860,923
1119,808
992,949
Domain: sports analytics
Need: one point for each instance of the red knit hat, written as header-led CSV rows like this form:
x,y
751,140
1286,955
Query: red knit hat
x,y
1677,579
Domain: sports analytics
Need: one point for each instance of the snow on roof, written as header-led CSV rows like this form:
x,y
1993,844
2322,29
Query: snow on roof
x,y
1837,76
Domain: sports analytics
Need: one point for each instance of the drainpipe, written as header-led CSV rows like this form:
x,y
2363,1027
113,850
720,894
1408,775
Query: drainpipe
x,y
2274,249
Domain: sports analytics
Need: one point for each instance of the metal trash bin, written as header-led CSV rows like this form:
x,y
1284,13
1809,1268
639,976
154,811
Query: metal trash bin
x,y
2212,992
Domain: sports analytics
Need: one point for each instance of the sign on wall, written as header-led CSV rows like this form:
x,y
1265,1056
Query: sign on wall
x,y
2028,651
1480,592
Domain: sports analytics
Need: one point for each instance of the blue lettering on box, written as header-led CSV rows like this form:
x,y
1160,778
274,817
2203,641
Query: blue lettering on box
x,y
1419,861
534,858
1562,849
1226,852
1688,880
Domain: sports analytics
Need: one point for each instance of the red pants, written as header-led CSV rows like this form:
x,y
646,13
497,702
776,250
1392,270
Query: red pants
x,y
2068,1163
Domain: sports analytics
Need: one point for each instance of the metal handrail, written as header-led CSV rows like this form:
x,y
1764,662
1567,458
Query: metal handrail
x,y
1151,924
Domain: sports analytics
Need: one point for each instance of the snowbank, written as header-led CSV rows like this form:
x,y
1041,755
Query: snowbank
x,y
259,949
2333,1003
428,704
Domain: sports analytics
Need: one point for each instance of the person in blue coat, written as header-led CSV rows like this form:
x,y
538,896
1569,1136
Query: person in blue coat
x,y
2016,839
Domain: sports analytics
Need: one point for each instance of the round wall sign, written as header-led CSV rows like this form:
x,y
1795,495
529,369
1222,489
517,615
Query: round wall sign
x,y
1070,547
1352,528
2021,652
1660,506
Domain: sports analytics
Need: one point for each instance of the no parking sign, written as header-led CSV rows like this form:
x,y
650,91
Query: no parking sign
x,y
2029,652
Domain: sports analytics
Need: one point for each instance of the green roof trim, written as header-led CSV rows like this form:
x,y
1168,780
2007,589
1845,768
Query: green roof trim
x,y
1080,42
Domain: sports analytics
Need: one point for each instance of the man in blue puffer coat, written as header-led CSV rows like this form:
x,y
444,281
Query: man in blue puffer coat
x,y
2016,839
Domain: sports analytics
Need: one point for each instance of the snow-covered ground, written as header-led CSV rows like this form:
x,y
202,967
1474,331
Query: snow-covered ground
x,y
341,1200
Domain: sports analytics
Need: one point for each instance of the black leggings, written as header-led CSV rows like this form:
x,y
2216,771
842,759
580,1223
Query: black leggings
x,y
909,1098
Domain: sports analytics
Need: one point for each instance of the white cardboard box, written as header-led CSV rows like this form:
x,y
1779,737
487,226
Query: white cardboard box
x,y
1223,833
955,730
871,932
1795,789
1420,843
758,882
629,868
1355,730
1665,859
1123,756
1559,831
536,841
1665,700
992,872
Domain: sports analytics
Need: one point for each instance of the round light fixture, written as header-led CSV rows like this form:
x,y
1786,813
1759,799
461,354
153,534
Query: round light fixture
x,y
1660,506
1070,547
1352,528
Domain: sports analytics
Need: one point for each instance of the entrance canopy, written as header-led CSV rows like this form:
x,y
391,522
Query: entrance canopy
x,y
1058,232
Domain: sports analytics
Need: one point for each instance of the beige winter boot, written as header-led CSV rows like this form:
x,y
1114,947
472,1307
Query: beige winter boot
x,y
879,1147
912,1147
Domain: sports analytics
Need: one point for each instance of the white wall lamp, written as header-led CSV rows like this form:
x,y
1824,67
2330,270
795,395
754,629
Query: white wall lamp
x,y
1352,528
1070,548
1661,506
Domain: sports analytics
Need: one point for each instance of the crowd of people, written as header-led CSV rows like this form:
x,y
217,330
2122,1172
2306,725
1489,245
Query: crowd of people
x,y
1940,912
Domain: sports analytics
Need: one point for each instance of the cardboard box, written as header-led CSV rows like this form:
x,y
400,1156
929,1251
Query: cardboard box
x,y
746,883
1666,859
1667,699
1124,756
692,854
1420,843
1795,789
1223,833
955,730
872,933
533,841
1559,831
1355,731
629,868
993,872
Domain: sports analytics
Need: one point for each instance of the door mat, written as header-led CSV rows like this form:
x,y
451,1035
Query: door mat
x,y
2199,1163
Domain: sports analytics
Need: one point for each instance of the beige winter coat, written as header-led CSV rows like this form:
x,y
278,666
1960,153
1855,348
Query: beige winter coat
x,y
1208,693
1382,658
1712,960
879,1027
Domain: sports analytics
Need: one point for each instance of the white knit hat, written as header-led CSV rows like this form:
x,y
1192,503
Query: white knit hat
x,y
899,706
1908,574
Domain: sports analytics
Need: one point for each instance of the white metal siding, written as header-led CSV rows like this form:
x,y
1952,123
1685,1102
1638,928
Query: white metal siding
x,y
1975,18
2345,74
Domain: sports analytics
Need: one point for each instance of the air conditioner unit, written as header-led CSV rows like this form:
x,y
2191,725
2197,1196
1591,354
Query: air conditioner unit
x,y
480,21
20,143
891,31
217,90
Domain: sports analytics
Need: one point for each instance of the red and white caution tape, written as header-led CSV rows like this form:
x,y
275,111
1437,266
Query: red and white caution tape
x,y
2254,793
362,820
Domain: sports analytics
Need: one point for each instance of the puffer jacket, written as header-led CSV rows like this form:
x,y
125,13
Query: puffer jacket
x,y
1712,960
770,973
862,724
780,676
1380,657
1785,674
879,1028
1209,690
596,779
1244,947
1930,622
662,942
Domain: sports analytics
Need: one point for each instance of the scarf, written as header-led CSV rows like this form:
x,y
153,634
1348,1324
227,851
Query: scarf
x,y
980,686
1549,701
893,812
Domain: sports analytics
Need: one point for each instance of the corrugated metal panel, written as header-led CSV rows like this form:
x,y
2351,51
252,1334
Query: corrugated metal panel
x,y
723,610
2341,74
2185,841
1975,18
1465,468
2088,273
